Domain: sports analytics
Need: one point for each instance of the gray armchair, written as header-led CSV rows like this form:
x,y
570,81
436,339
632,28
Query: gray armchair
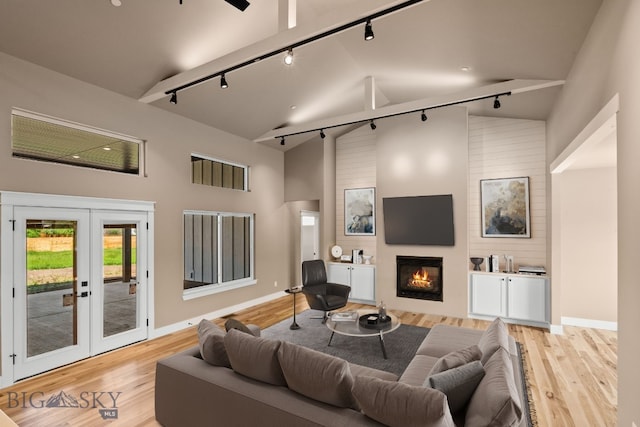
x,y
321,295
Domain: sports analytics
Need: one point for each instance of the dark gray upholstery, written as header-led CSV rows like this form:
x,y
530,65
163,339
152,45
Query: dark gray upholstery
x,y
320,294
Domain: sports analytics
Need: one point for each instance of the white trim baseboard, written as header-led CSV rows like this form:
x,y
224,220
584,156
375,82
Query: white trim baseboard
x,y
589,323
556,329
175,327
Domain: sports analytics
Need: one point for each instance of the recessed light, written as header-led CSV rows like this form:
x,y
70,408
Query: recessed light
x,y
116,3
466,69
106,148
293,107
75,156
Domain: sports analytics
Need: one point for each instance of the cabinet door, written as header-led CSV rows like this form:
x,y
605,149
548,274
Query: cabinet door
x,y
363,283
341,274
488,295
527,298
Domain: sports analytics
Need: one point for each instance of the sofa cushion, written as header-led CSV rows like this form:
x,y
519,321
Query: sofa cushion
x,y
211,344
418,370
494,337
254,357
236,324
496,401
456,358
366,371
317,375
458,383
401,405
443,339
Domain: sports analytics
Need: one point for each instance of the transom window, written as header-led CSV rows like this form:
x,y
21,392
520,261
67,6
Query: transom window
x,y
43,138
218,173
218,252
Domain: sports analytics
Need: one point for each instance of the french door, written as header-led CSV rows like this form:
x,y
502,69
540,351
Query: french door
x,y
80,284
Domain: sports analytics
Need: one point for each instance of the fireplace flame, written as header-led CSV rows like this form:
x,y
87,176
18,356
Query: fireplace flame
x,y
420,279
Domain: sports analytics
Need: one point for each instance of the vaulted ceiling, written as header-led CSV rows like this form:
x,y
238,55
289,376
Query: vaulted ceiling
x,y
435,48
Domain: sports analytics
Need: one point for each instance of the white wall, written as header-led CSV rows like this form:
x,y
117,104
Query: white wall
x,y
355,168
508,148
589,238
608,64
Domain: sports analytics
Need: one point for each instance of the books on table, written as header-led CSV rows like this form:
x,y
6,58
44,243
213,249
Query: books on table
x,y
345,316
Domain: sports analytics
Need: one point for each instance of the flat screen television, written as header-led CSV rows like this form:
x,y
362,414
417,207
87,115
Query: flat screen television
x,y
418,220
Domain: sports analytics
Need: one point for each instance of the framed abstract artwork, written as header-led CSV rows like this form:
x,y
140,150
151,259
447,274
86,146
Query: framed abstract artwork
x,y
360,212
505,207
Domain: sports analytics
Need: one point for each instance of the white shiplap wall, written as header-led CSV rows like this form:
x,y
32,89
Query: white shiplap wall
x,y
355,168
506,148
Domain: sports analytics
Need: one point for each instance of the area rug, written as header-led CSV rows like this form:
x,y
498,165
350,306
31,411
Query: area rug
x,y
401,344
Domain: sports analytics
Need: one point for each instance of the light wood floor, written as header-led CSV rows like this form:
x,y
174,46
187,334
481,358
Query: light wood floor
x,y
572,377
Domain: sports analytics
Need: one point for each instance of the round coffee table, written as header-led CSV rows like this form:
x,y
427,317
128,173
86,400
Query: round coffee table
x,y
362,326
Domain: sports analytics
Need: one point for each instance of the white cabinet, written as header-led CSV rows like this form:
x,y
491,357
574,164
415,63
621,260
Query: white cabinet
x,y
488,295
519,298
527,298
361,278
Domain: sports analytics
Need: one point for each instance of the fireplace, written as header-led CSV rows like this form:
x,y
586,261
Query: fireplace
x,y
419,277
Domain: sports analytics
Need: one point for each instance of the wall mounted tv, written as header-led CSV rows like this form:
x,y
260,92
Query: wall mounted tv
x,y
419,220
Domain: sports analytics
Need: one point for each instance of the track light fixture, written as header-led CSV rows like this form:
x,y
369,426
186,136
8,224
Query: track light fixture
x,y
174,98
496,103
368,31
288,58
223,82
239,4
372,124
243,4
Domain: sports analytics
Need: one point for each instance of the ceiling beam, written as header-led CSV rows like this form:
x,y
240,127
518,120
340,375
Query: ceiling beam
x,y
369,93
509,86
287,14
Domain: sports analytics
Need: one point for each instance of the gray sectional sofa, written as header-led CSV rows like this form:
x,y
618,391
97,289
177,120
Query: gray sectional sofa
x,y
458,377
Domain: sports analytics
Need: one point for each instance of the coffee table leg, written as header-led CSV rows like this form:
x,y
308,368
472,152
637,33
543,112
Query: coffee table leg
x,y
384,350
330,338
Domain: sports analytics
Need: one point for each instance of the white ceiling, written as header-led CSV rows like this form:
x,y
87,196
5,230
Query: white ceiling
x,y
417,53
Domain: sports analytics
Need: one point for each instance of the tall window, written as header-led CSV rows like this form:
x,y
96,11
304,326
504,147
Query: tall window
x,y
218,251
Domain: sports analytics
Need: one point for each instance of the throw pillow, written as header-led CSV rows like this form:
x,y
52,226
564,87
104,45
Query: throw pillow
x,y
211,343
317,375
494,337
254,357
236,324
401,405
458,384
456,358
496,401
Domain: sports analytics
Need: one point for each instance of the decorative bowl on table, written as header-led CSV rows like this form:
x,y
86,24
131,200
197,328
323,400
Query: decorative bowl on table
x,y
476,261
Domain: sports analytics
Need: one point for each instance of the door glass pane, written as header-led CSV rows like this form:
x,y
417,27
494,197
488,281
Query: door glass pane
x,y
51,285
120,285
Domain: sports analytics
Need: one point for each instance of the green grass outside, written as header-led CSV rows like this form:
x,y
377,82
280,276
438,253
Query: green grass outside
x,y
37,260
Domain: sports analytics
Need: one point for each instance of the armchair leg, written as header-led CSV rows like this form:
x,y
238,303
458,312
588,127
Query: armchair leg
x,y
324,318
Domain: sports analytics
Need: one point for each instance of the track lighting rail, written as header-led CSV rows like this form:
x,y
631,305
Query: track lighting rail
x,y
294,45
372,121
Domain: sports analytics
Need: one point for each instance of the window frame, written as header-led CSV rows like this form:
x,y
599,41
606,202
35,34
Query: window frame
x,y
220,286
84,128
245,171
